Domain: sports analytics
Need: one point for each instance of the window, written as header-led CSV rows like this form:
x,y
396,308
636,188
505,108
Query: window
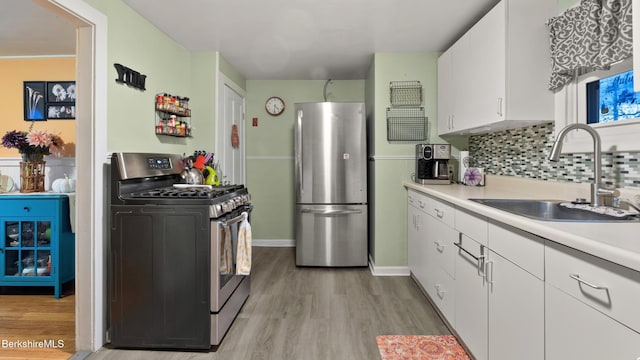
x,y
612,98
620,135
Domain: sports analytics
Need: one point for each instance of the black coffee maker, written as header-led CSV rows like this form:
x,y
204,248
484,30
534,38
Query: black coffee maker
x,y
432,163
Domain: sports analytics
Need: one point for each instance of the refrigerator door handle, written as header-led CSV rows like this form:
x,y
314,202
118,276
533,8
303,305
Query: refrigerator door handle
x,y
300,149
331,212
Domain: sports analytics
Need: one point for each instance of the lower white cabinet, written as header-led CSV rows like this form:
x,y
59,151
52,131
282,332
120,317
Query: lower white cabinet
x,y
416,243
591,307
512,295
516,311
574,330
471,296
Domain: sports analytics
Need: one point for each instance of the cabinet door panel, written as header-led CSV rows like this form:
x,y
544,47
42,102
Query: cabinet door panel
x,y
573,330
445,91
516,311
471,299
574,271
417,252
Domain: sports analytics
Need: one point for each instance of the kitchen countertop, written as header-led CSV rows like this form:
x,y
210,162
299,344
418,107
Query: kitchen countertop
x,y
615,242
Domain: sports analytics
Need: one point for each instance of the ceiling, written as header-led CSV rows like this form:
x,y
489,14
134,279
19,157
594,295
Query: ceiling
x,y
269,39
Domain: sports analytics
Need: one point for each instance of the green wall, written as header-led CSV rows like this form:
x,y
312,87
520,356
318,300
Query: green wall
x,y
394,162
269,149
139,45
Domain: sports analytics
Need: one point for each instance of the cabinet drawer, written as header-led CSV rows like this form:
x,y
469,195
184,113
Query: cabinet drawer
x,y
417,199
521,248
441,290
441,211
472,225
610,288
440,246
574,330
36,208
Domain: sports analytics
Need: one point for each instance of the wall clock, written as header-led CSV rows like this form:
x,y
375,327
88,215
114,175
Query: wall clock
x,y
274,106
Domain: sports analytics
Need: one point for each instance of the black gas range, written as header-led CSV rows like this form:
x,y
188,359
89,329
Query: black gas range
x,y
165,286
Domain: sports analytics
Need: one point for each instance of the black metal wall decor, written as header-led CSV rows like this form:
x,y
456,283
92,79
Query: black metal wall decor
x,y
130,77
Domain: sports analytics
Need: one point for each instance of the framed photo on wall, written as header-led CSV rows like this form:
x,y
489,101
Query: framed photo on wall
x,y
61,111
61,91
34,100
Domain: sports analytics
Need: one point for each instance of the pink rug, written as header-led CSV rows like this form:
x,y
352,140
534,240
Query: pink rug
x,y
414,347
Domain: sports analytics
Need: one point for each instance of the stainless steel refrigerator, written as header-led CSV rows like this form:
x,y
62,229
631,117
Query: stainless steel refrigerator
x,y
331,184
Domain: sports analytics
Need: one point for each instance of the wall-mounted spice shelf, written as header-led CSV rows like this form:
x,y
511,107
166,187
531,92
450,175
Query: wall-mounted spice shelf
x,y
173,116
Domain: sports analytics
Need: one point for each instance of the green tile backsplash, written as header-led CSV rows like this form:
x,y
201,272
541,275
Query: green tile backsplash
x,y
524,153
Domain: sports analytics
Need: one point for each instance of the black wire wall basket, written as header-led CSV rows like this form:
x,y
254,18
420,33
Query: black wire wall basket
x,y
406,124
405,93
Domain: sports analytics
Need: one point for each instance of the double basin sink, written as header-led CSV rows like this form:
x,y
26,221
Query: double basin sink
x,y
550,210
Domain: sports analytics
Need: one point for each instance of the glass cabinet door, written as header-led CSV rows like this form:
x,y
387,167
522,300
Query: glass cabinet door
x,y
27,246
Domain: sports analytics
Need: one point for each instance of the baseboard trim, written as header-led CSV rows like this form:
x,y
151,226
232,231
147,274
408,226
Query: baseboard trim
x,y
273,242
387,270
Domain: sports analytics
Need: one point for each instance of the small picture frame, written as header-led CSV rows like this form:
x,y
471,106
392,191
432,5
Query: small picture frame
x,y
61,91
34,97
61,111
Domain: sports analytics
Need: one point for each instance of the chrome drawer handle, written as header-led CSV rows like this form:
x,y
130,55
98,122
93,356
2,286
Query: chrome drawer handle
x,y
439,292
439,246
578,279
439,213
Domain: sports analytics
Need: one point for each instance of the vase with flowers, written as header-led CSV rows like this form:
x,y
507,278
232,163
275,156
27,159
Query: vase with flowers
x,y
33,145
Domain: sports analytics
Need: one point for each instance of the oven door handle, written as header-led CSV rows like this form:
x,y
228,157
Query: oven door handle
x,y
236,219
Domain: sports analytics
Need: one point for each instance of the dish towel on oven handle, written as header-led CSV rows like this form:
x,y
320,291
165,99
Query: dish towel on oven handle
x,y
243,256
226,255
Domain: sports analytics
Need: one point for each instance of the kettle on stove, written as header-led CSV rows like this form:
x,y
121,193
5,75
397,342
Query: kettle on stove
x,y
191,175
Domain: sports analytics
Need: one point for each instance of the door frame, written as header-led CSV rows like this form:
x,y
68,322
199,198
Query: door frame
x,y
222,81
91,157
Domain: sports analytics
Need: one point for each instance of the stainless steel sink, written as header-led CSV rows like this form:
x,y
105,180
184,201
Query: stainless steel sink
x,y
549,210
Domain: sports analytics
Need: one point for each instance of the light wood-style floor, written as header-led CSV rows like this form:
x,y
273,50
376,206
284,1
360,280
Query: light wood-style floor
x,y
312,313
33,315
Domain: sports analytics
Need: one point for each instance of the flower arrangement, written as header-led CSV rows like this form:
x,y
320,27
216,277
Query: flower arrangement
x,y
32,142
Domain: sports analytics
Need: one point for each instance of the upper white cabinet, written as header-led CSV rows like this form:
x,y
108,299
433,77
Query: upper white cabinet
x,y
495,76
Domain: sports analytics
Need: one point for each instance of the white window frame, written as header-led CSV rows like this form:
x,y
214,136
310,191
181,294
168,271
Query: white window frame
x,y
616,136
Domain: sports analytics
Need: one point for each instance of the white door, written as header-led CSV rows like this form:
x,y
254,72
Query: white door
x,y
230,136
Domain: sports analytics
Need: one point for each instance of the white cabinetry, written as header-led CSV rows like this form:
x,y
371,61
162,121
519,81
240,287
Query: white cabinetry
x,y
440,266
591,307
417,256
509,294
515,274
573,330
471,296
497,73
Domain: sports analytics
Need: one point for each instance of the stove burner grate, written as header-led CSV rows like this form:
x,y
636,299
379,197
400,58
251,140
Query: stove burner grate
x,y
195,192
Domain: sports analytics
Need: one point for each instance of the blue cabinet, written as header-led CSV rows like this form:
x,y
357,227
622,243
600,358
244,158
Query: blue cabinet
x,y
36,242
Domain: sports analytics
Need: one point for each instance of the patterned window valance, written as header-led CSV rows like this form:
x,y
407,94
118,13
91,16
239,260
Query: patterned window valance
x,y
590,36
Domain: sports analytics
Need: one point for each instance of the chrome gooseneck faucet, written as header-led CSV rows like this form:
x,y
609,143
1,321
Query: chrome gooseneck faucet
x,y
597,191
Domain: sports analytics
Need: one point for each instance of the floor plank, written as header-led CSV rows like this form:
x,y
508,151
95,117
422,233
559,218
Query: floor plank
x,y
36,325
312,313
